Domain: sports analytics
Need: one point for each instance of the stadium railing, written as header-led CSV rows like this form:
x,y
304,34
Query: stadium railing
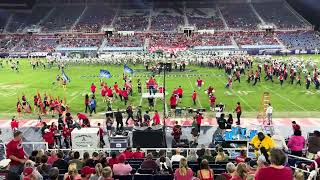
x,y
30,146
295,166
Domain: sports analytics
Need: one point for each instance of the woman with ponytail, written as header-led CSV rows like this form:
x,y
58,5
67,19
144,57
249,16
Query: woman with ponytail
x,y
183,172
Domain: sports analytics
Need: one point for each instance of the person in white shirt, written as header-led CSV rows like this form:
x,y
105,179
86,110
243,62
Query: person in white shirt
x,y
269,114
177,156
279,140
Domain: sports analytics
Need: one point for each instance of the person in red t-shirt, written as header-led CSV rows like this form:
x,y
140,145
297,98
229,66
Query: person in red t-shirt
x,y
180,92
93,88
199,83
83,120
48,137
14,124
295,126
66,133
238,111
276,170
176,132
156,118
138,154
128,153
103,93
199,119
15,153
242,158
194,97
212,100
113,160
173,101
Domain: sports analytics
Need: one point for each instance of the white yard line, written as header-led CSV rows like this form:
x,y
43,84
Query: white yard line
x,y
245,102
286,99
193,90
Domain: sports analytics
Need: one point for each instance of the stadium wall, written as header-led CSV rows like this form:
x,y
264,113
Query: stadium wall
x,y
309,9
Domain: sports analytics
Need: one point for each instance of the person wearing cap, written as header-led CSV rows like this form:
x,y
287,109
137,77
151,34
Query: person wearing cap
x,y
86,172
15,152
121,168
28,174
5,166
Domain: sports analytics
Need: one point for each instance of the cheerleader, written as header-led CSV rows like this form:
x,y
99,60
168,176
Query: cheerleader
x,y
19,108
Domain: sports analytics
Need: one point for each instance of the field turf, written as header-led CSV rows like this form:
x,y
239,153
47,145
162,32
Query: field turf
x,y
288,101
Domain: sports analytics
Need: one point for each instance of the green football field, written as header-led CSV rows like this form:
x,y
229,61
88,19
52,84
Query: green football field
x,y
288,101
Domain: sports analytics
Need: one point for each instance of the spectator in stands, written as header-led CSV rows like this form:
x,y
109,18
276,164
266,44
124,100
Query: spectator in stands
x,y
296,143
53,174
35,173
221,156
86,172
76,160
192,157
298,175
16,153
312,165
2,153
163,168
86,156
149,163
276,170
107,173
72,172
279,141
208,156
4,166
34,153
98,172
69,157
205,173
313,144
177,156
295,126
44,167
138,154
183,172
242,157
28,174
121,168
231,168
60,163
162,153
53,157
241,172
113,160
260,140
92,162
128,153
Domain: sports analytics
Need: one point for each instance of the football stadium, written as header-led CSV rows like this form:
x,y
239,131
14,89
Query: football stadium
x,y
159,89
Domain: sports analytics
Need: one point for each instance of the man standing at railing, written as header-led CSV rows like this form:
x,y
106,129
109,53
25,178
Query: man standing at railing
x,y
16,153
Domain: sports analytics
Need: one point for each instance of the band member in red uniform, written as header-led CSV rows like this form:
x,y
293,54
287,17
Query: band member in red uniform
x,y
281,78
93,88
180,92
124,94
212,100
238,111
83,120
14,124
176,132
116,89
194,97
48,137
210,90
199,83
103,93
199,119
66,133
156,118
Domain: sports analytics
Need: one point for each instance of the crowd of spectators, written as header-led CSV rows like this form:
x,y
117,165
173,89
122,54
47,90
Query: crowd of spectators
x,y
37,44
22,20
132,23
168,22
70,40
94,18
278,14
204,18
62,18
239,16
8,42
300,40
117,40
255,38
217,39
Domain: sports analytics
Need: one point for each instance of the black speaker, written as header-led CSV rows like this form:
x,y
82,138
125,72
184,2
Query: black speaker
x,y
149,138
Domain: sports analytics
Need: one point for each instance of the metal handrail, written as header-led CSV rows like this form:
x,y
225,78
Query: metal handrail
x,y
305,159
28,143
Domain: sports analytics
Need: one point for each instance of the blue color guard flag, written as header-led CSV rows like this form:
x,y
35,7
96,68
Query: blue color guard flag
x,y
105,73
127,69
65,77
